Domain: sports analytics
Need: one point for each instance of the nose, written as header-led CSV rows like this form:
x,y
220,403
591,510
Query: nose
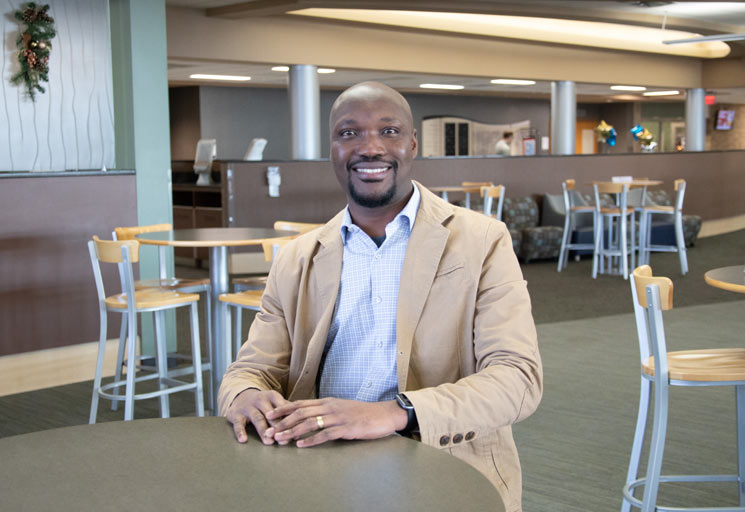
x,y
371,145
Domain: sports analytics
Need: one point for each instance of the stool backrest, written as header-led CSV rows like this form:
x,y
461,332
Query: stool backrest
x,y
620,189
475,186
300,227
123,253
129,233
680,192
272,247
651,296
489,193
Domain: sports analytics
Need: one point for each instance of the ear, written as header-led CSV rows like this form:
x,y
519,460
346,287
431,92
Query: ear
x,y
414,143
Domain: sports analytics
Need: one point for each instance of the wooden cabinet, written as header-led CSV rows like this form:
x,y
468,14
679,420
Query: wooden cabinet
x,y
196,207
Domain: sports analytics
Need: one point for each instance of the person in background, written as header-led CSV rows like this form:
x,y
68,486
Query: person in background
x,y
403,314
504,145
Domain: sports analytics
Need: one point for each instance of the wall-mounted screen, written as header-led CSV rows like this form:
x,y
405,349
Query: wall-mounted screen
x,y
725,118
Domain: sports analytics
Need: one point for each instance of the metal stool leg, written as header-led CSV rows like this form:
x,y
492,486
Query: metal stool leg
x,y
740,399
656,447
120,356
680,241
99,366
641,428
196,360
129,401
210,394
564,252
237,329
161,358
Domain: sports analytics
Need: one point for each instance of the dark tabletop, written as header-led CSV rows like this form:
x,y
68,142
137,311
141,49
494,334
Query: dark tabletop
x,y
212,237
194,464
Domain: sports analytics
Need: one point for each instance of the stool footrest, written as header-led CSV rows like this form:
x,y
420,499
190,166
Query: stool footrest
x,y
628,490
175,387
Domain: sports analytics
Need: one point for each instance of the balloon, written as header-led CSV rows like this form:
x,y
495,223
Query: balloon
x,y
643,135
606,133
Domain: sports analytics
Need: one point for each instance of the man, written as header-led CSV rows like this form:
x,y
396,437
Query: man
x,y
402,314
504,145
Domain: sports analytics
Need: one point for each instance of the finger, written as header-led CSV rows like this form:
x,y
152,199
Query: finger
x,y
239,427
290,407
262,428
298,417
298,430
325,435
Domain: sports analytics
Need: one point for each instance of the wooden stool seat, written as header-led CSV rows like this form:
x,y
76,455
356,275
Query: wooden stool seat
x,y
659,209
247,283
170,283
717,364
583,208
246,299
616,211
151,298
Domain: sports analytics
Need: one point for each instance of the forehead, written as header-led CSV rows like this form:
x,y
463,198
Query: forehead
x,y
356,108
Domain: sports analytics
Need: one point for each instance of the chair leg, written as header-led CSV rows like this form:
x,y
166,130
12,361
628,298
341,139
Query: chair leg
x,y
564,252
632,239
237,329
641,427
161,359
196,359
99,366
681,243
656,448
596,252
120,356
210,394
129,399
642,236
740,400
623,244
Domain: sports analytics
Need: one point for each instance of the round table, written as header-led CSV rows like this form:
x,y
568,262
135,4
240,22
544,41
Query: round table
x,y
443,191
727,278
194,464
218,240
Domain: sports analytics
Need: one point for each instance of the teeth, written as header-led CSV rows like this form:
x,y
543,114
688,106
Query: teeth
x,y
371,171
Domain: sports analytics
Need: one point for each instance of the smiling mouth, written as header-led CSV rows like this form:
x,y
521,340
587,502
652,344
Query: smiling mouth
x,y
373,171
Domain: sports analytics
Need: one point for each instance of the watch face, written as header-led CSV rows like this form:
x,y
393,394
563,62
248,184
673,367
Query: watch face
x,y
403,401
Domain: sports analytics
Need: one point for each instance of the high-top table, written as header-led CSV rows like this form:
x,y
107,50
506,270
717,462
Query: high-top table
x,y
218,240
443,191
194,464
727,278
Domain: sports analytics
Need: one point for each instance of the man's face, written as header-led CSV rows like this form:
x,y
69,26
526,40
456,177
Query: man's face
x,y
373,144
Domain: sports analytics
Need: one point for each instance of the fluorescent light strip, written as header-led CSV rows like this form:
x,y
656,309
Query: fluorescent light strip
x,y
322,71
325,71
628,88
661,93
510,81
281,68
227,78
442,86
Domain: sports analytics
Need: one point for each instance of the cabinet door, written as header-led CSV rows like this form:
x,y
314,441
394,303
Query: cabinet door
x,y
183,218
206,218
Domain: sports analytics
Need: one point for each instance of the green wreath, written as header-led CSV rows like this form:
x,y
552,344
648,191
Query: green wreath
x,y
34,47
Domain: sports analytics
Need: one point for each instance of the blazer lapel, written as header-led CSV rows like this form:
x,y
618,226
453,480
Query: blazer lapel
x,y
327,270
423,254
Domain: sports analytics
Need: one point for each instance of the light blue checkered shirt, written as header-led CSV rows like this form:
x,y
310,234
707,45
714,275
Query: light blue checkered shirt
x,y
360,355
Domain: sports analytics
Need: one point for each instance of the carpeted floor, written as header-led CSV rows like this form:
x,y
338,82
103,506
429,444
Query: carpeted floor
x,y
575,448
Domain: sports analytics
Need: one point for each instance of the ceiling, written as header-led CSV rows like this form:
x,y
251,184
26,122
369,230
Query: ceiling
x,y
700,17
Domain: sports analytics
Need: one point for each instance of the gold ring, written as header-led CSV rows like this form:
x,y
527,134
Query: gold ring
x,y
319,422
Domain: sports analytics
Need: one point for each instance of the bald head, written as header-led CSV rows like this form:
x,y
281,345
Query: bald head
x,y
365,92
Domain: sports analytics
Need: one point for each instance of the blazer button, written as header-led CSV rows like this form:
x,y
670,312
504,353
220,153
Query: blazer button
x,y
470,435
444,440
457,438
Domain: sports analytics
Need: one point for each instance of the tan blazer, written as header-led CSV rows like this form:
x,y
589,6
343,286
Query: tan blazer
x,y
467,348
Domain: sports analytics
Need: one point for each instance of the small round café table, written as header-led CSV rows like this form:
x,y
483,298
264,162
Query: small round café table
x,y
727,278
195,465
218,240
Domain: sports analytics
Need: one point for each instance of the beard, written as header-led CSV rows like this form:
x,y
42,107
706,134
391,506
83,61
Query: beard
x,y
375,201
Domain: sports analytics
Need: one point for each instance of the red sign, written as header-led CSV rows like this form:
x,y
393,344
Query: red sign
x,y
710,99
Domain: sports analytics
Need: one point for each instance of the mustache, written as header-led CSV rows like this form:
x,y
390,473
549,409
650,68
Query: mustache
x,y
391,163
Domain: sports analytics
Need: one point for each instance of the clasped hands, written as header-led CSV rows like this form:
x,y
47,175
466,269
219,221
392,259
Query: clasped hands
x,y
279,420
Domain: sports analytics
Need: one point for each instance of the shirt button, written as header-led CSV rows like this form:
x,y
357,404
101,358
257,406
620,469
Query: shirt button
x,y
470,435
380,344
377,256
457,438
369,383
378,300
444,440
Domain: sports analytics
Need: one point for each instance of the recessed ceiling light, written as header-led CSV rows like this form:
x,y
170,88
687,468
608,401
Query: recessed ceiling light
x,y
442,86
324,71
281,68
628,88
510,81
228,78
661,93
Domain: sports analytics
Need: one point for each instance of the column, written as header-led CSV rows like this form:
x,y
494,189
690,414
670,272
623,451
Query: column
x,y
563,117
305,112
695,120
141,125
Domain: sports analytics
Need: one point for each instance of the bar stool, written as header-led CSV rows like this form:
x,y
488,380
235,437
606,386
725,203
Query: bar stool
x,y
688,368
617,244
129,303
249,299
259,282
472,187
488,195
645,228
571,210
163,282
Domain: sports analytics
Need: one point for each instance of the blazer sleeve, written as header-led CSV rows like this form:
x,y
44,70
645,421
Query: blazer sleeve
x,y
507,384
263,361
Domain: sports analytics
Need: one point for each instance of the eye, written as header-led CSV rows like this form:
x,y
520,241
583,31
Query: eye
x,y
390,131
347,132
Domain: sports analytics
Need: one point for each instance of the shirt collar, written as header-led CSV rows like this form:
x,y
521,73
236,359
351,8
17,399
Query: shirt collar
x,y
409,211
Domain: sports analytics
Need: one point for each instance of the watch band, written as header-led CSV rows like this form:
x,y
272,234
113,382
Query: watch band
x,y
412,425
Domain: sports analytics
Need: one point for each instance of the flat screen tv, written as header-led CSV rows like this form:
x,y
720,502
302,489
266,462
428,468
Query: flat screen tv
x,y
725,118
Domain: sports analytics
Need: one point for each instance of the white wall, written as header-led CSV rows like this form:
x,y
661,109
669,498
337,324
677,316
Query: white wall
x,y
71,125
